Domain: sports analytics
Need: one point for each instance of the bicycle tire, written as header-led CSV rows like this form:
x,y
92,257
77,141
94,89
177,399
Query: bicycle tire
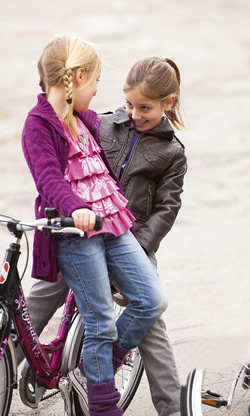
x,y
6,382
196,400
191,394
127,381
127,378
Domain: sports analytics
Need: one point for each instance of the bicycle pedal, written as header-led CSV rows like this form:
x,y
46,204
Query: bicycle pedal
x,y
213,399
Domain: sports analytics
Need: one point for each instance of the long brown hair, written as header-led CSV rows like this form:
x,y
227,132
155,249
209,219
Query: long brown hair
x,y
157,79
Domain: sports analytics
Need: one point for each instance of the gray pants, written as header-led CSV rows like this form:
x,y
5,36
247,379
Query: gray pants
x,y
155,349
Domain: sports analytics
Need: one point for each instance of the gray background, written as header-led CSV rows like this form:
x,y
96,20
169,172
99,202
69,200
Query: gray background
x,y
204,261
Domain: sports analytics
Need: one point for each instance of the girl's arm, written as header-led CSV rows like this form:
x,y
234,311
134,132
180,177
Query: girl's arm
x,y
45,163
166,205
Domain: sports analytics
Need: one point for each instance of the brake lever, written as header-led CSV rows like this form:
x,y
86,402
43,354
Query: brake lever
x,y
66,230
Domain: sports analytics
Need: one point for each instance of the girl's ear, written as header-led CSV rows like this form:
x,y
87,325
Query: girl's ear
x,y
79,75
168,104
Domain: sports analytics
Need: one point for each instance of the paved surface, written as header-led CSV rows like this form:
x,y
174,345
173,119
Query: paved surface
x,y
204,262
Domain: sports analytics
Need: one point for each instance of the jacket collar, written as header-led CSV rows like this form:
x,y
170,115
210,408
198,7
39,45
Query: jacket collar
x,y
163,130
120,116
44,110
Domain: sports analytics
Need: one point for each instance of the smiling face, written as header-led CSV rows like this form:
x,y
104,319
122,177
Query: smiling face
x,y
145,112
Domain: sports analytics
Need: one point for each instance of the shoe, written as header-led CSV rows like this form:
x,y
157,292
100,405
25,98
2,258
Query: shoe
x,y
79,382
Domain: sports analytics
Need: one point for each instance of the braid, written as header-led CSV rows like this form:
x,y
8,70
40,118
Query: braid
x,y
60,58
68,83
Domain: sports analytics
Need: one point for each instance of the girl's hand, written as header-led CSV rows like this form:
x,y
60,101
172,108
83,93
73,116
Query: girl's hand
x,y
84,219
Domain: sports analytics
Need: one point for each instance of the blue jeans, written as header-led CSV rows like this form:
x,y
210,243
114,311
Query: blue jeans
x,y
86,265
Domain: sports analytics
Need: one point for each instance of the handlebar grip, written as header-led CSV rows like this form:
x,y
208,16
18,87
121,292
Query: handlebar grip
x,y
98,223
69,222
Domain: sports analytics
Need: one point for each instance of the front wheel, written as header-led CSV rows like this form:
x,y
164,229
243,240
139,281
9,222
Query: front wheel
x,y
6,382
127,381
127,378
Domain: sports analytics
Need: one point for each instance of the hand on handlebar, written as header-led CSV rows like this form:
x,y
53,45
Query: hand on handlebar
x,y
81,220
84,219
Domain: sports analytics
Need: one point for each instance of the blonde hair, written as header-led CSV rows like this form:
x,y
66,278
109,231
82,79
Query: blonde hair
x,y
59,59
157,79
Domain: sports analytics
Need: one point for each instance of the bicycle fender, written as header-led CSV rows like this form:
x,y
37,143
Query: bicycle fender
x,y
72,344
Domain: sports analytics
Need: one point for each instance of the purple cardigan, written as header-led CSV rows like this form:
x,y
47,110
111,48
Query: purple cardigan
x,y
46,149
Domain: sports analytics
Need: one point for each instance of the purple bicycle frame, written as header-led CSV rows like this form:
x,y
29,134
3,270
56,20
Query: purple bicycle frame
x,y
46,369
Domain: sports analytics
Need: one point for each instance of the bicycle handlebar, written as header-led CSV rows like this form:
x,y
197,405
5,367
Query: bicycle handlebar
x,y
50,225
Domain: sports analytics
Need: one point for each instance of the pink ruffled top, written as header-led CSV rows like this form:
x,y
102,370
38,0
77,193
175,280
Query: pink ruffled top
x,y
88,177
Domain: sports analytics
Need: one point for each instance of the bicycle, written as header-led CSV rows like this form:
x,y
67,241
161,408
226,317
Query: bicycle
x,y
47,364
197,400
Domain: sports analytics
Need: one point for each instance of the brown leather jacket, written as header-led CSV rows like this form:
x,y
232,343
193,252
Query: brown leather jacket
x,y
153,177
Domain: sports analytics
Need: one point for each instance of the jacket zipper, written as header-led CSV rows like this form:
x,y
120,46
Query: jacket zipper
x,y
119,156
122,180
149,200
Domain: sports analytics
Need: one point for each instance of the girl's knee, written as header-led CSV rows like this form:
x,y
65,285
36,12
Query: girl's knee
x,y
163,303
159,304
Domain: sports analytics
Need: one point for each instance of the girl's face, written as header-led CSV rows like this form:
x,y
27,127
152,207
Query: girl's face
x,y
84,91
145,112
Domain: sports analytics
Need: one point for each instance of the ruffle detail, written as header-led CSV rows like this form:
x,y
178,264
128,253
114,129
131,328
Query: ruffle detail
x,y
79,168
94,188
110,205
88,177
116,224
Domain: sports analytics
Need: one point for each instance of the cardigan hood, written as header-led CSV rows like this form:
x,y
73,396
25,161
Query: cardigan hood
x,y
45,111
